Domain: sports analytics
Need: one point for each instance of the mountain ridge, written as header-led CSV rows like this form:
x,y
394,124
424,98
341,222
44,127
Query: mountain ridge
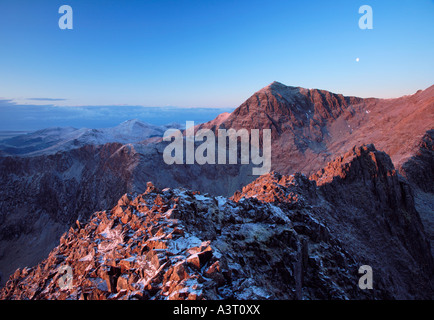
x,y
55,139
54,189
181,244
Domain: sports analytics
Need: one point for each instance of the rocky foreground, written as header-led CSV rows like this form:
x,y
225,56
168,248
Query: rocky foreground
x,y
281,237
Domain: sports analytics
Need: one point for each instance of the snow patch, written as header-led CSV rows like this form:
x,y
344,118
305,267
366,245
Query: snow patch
x,y
183,243
200,197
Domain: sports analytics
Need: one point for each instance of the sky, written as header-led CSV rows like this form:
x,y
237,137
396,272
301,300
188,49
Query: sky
x,y
198,55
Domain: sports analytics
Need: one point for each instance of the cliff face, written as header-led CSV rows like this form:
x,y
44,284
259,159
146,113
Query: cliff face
x,y
419,169
378,215
280,237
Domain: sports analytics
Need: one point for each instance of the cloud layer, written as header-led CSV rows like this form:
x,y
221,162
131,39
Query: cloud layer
x,y
29,117
46,99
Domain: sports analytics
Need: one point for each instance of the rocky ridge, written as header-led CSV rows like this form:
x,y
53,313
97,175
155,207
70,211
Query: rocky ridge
x,y
281,237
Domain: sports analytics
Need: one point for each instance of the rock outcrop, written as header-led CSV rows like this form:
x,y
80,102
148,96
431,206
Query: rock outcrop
x,y
281,237
178,244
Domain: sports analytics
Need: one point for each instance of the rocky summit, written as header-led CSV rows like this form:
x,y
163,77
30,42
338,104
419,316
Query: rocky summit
x,y
310,127
280,237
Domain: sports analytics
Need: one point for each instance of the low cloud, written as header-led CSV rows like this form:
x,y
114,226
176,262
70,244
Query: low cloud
x,y
46,99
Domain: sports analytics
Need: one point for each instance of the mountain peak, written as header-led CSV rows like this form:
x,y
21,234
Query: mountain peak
x,y
280,106
276,84
133,122
279,88
134,125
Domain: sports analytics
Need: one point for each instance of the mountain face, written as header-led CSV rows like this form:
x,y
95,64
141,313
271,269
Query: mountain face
x,y
50,179
281,237
310,126
419,169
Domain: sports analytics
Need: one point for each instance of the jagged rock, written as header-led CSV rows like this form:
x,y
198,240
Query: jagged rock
x,y
282,237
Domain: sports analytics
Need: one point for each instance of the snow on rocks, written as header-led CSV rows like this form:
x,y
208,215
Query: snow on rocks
x,y
179,244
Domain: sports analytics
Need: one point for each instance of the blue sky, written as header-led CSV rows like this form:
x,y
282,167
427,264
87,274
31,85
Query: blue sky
x,y
206,53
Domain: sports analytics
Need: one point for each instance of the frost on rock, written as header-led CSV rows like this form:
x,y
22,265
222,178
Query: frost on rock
x,y
268,241
174,244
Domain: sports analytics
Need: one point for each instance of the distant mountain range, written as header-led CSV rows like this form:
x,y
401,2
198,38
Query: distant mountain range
x,y
366,170
52,140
